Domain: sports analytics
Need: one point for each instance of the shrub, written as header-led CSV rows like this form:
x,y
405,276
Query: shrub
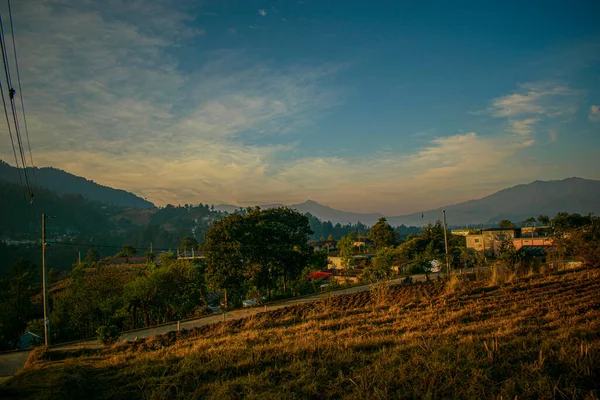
x,y
108,335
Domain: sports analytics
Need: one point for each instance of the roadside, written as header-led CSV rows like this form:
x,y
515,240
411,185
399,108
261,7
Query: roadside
x,y
12,362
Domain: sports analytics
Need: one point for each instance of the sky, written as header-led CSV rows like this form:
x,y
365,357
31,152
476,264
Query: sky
x,y
367,106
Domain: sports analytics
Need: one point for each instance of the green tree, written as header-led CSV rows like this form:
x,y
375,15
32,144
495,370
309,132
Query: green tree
x,y
507,253
506,224
543,220
258,248
346,248
529,221
91,257
172,292
188,243
128,250
383,262
382,234
15,297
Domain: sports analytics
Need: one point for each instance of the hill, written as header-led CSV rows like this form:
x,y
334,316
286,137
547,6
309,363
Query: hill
x,y
573,195
535,337
322,212
62,182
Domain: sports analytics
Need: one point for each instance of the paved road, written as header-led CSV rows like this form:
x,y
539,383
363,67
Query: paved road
x,y
10,363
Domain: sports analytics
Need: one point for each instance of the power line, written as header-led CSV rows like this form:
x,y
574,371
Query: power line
x,y
12,92
12,141
12,32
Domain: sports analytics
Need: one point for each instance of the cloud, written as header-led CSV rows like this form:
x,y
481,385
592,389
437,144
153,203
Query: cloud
x,y
523,127
594,114
552,136
107,100
262,12
547,99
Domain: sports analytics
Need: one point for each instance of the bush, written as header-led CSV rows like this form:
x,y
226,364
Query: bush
x,y
108,334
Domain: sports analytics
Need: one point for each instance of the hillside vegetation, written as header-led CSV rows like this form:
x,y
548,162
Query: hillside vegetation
x,y
499,336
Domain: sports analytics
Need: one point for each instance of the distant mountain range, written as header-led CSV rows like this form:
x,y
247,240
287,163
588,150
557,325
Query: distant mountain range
x,y
516,203
324,213
62,182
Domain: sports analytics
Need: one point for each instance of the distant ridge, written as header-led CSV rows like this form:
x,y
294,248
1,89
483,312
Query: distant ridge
x,y
516,203
63,182
324,213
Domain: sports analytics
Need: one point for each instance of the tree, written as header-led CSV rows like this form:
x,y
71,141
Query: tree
x,y
346,247
188,243
91,257
383,262
257,248
382,234
15,297
506,224
529,221
543,220
128,250
507,253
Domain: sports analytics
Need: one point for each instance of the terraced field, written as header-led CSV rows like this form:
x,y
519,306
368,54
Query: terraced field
x,y
532,337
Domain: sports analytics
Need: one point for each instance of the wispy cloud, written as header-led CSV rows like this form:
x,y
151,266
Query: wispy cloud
x,y
262,12
594,114
545,98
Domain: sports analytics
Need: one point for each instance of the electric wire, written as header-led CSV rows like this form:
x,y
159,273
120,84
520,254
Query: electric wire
x,y
12,32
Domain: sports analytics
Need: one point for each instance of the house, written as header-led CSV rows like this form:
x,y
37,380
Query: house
x,y
328,245
363,242
336,262
489,240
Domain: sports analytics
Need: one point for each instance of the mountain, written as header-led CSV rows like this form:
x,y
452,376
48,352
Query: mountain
x,y
517,203
62,182
325,213
322,212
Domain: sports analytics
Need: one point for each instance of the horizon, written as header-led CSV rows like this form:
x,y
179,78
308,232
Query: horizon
x,y
390,109
373,213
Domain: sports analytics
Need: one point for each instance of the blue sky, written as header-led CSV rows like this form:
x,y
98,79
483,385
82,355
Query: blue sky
x,y
383,106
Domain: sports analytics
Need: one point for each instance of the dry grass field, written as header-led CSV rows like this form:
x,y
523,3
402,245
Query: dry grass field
x,y
501,336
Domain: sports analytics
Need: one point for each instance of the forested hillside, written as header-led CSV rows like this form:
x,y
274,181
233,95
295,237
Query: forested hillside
x,y
63,182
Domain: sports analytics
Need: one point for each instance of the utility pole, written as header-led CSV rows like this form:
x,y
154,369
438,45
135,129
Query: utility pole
x,y
446,243
79,257
44,286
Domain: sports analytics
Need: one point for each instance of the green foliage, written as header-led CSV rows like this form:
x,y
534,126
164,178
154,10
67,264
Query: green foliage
x,y
15,298
346,248
257,248
529,221
91,300
188,243
564,221
383,262
170,292
382,234
506,224
108,335
544,220
91,257
507,253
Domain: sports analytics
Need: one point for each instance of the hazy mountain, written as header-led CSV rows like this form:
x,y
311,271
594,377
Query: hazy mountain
x,y
573,195
324,213
62,182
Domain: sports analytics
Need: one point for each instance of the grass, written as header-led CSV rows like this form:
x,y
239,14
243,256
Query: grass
x,y
535,337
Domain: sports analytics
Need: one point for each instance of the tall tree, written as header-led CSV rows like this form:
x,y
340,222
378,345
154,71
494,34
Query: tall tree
x,y
543,219
15,297
382,233
506,224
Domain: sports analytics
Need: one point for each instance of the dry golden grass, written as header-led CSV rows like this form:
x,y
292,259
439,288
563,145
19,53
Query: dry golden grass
x,y
537,337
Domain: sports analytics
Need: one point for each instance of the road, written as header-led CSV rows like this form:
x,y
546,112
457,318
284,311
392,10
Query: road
x,y
11,362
